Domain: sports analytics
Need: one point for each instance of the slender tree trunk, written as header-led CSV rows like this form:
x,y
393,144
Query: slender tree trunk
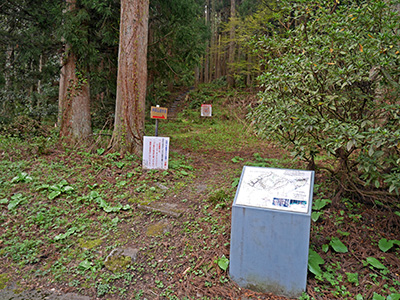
x,y
249,71
39,84
74,97
213,46
196,76
132,77
7,77
218,58
224,57
231,54
207,55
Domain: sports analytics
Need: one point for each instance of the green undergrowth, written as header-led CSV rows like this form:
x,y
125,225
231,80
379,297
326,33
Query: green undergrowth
x,y
357,228
65,209
224,131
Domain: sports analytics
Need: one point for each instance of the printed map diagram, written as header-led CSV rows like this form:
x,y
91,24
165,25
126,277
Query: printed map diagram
x,y
281,189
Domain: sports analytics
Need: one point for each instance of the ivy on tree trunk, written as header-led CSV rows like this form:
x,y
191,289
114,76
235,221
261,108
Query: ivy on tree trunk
x,y
74,97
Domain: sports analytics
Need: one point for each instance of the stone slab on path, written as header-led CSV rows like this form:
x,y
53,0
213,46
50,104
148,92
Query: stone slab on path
x,y
13,292
169,209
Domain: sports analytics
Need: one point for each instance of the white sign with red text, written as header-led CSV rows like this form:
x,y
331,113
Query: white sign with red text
x,y
155,152
206,110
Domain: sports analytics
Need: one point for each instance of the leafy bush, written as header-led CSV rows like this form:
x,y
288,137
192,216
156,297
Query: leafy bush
x,y
331,86
23,126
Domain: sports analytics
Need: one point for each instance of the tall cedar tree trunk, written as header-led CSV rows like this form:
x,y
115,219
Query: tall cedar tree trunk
x,y
231,54
132,77
74,117
207,54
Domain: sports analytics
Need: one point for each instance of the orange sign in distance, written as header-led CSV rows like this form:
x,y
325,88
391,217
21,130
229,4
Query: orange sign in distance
x,y
158,112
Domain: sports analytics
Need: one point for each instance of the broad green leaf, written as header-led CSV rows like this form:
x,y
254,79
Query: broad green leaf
x,y
85,265
237,159
393,297
94,194
55,187
315,215
4,201
350,144
63,182
72,230
318,204
43,187
375,263
67,188
235,182
116,208
15,201
120,164
377,184
126,207
377,297
344,233
385,245
314,260
352,278
359,297
108,209
13,204
60,236
325,248
69,232
223,263
338,246
22,177
54,194
102,202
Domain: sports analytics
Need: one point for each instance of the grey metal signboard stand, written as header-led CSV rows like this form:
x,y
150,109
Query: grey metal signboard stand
x,y
270,233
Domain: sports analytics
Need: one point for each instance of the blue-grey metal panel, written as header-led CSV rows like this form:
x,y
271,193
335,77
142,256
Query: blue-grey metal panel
x,y
269,249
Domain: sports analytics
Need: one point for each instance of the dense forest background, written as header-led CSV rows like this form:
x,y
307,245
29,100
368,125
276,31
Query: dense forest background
x,y
327,73
188,44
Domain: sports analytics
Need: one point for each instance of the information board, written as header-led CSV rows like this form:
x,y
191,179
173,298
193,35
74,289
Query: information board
x,y
155,152
281,189
206,110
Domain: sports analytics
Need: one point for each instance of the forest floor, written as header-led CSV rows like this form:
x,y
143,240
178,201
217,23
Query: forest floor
x,y
81,220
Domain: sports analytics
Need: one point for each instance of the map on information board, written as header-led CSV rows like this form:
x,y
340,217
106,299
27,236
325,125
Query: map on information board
x,y
281,189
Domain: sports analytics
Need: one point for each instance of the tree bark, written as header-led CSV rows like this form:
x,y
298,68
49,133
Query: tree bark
x,y
207,54
132,77
218,58
231,55
74,117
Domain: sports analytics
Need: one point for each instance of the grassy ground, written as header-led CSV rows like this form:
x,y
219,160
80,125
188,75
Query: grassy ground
x,y
65,209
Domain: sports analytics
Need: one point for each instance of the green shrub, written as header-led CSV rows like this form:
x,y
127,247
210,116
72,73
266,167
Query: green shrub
x,y
331,86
